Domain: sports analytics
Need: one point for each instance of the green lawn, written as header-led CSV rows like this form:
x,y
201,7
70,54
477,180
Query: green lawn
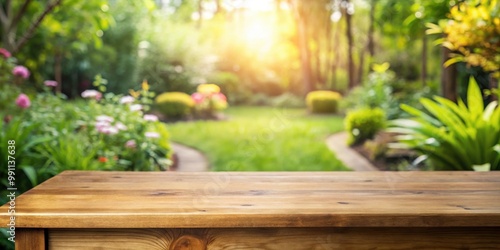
x,y
263,139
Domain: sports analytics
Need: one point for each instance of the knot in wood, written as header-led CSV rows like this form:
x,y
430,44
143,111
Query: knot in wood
x,y
188,242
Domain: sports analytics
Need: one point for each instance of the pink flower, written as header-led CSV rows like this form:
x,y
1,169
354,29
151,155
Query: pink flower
x,y
152,135
197,97
127,99
151,118
93,94
135,107
21,71
5,53
221,96
104,118
50,83
102,124
130,144
23,101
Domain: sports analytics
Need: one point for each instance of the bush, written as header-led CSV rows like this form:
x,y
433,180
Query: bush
x,y
453,136
208,101
231,86
323,101
363,124
383,90
107,132
174,104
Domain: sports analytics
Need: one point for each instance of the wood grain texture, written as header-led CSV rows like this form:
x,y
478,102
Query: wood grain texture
x,y
276,239
77,199
30,239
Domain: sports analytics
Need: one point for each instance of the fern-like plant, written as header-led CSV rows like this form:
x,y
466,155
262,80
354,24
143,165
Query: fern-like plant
x,y
453,136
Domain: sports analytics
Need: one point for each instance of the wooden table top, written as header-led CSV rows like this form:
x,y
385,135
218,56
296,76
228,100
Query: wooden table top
x,y
78,199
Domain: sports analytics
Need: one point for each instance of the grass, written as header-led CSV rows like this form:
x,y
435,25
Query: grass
x,y
263,139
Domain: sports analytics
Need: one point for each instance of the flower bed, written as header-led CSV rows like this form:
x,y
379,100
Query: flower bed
x,y
101,132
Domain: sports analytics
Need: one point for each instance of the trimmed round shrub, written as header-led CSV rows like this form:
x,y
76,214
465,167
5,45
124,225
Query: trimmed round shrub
x,y
323,101
174,104
363,124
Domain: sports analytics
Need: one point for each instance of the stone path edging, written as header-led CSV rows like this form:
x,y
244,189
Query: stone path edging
x,y
352,159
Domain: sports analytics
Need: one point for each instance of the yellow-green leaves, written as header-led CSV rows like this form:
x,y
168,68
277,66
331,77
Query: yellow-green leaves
x,y
472,30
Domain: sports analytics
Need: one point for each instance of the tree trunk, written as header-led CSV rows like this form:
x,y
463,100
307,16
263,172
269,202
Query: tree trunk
x,y
218,8
329,58
336,56
371,30
305,53
361,66
10,20
200,14
350,66
58,71
318,78
494,85
424,60
448,77
8,36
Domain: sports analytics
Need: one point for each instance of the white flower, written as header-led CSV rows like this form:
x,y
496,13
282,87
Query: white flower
x,y
152,135
120,126
108,130
90,93
135,107
151,118
104,118
127,99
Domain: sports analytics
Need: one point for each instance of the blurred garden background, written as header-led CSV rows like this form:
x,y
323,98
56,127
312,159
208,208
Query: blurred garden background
x,y
255,85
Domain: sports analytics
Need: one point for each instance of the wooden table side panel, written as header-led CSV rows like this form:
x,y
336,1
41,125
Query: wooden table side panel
x,y
275,239
30,239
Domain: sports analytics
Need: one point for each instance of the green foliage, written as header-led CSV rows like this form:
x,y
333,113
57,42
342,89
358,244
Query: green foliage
x,y
263,139
175,61
74,28
472,30
454,136
174,105
363,124
53,135
383,90
117,60
323,101
230,85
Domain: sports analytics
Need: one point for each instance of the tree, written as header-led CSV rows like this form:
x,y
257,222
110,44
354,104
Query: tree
x,y
305,53
348,11
471,35
430,12
73,28
11,16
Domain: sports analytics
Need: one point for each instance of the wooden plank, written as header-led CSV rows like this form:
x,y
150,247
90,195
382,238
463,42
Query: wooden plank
x,y
77,199
281,238
30,239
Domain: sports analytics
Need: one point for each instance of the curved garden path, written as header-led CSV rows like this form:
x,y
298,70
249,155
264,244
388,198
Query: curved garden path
x,y
189,159
192,160
352,159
